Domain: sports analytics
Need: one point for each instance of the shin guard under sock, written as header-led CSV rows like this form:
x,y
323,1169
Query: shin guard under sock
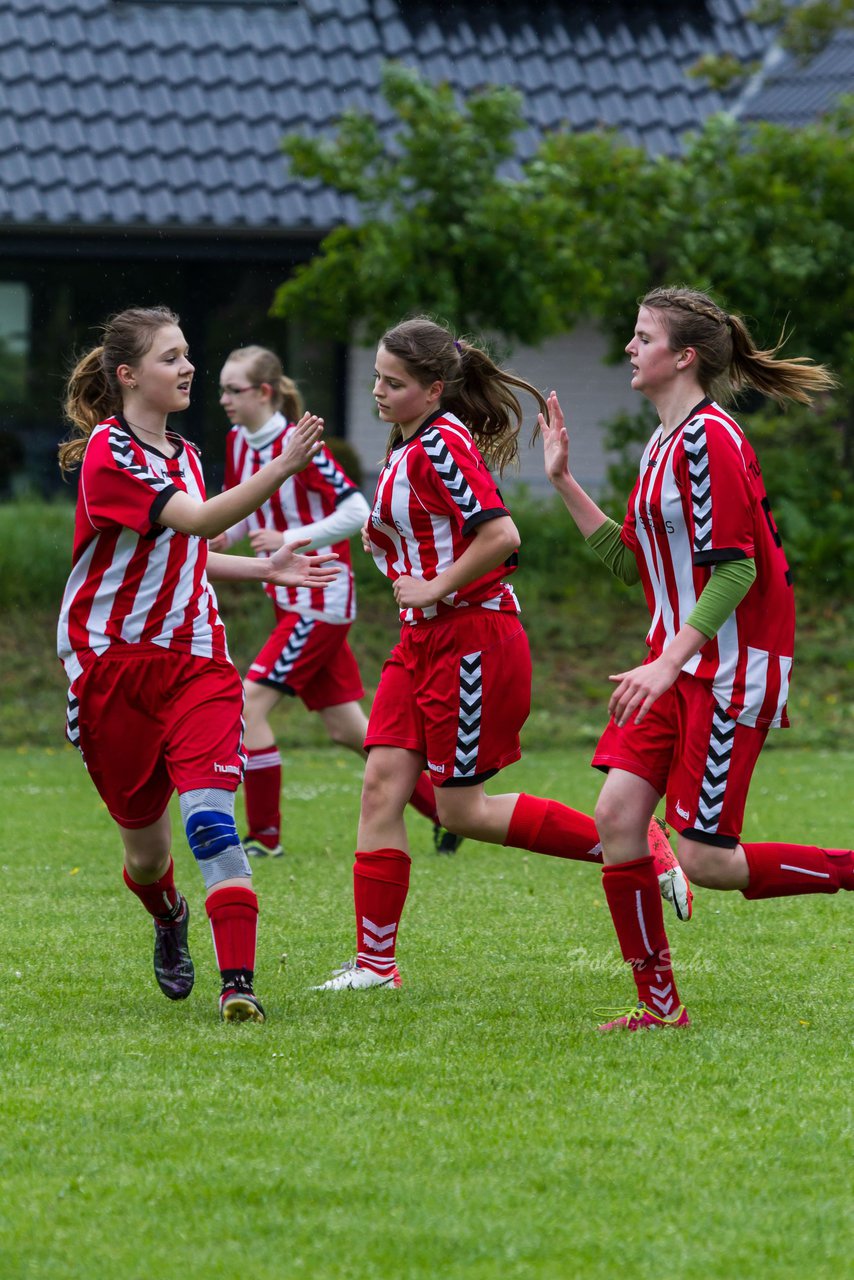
x,y
262,795
159,899
787,870
233,913
545,826
380,886
634,899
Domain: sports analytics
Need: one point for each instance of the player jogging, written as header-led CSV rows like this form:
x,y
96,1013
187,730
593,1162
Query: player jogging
x,y
456,689
154,701
690,722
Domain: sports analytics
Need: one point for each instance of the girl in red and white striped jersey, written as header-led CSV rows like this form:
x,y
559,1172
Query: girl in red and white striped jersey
x,y
307,654
154,701
456,690
690,722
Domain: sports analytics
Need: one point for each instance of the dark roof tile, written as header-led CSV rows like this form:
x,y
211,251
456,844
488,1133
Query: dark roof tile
x,y
167,107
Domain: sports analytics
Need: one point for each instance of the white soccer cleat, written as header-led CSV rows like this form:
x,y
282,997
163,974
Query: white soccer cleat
x,y
351,977
676,890
672,880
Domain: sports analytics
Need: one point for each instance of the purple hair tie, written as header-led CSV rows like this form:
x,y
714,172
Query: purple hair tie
x,y
457,345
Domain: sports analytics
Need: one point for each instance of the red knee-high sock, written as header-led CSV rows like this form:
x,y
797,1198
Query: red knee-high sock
x,y
263,789
544,826
633,895
423,797
784,870
233,913
380,886
159,899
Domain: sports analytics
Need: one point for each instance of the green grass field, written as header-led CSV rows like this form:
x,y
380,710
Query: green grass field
x,y
473,1125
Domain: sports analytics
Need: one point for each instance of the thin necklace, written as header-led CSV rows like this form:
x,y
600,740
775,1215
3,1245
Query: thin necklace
x,y
146,430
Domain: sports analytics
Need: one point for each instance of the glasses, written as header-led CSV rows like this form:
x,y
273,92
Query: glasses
x,y
238,391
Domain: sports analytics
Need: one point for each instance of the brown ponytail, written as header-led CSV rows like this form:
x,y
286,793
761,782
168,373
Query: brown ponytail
x,y
476,389
728,359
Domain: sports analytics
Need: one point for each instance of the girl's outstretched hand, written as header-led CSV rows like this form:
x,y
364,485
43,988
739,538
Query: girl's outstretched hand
x,y
287,568
555,441
304,442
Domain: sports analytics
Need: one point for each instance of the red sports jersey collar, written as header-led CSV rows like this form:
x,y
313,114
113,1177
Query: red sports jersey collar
x,y
704,404
425,425
171,436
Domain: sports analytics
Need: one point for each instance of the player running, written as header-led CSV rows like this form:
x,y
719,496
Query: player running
x,y
307,654
154,702
456,689
690,722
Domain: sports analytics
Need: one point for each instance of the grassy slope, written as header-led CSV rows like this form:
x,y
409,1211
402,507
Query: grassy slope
x,y
472,1125
582,627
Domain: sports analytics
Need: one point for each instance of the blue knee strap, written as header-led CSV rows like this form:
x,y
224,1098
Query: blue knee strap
x,y
211,833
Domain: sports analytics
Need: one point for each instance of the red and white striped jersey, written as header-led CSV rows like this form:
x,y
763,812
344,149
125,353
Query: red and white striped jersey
x,y
303,499
133,581
699,501
434,490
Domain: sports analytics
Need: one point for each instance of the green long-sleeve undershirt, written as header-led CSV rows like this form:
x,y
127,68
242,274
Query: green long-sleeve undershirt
x,y
728,585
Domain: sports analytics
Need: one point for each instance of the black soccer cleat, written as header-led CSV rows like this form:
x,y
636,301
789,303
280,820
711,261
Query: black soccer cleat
x,y
444,841
237,1001
173,964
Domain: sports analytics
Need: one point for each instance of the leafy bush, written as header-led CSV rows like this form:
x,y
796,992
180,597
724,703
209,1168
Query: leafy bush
x,y
35,553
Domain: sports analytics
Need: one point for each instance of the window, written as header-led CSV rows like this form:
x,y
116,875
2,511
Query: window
x,y
14,340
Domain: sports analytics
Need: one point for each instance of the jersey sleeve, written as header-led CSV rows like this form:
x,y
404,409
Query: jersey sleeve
x,y
325,475
722,501
461,479
118,486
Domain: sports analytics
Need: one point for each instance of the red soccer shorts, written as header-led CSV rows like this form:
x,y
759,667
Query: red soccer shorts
x,y
457,690
690,750
310,660
153,721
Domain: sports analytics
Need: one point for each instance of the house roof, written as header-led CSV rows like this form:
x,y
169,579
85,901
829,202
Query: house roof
x,y
792,92
155,116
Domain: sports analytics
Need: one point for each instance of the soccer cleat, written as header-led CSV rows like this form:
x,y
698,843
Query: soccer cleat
x,y
256,848
173,964
238,1002
640,1018
672,880
444,841
351,977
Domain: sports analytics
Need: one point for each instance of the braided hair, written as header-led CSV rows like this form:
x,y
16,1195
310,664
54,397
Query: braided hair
x,y
728,359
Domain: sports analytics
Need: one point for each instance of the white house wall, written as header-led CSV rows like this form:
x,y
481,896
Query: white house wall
x,y
591,392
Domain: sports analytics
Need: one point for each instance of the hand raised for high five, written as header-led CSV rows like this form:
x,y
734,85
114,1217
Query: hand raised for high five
x,y
304,442
555,441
